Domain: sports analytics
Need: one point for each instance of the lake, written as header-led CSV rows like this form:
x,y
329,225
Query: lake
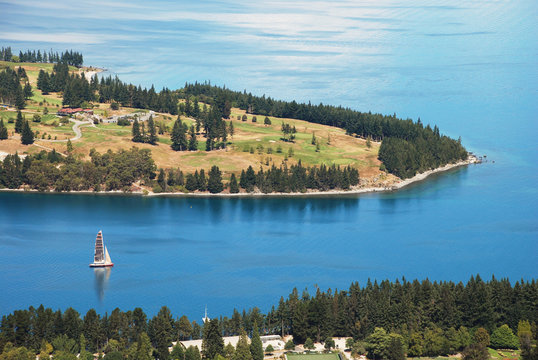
x,y
470,68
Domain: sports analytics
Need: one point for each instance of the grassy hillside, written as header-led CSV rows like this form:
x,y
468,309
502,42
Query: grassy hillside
x,y
253,144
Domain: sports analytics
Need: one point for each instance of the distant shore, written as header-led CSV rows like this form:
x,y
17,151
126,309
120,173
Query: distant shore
x,y
471,159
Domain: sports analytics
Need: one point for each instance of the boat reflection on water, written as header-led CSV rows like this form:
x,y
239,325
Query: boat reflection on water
x,y
102,275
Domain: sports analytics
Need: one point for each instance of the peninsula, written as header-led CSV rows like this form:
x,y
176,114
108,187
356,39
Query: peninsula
x,y
64,128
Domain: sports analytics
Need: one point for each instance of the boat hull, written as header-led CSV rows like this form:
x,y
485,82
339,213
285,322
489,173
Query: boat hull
x,y
101,265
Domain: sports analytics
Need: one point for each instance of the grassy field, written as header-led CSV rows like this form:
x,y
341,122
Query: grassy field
x,y
331,356
254,144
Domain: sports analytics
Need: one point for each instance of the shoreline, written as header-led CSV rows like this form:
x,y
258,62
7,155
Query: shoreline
x,y
471,159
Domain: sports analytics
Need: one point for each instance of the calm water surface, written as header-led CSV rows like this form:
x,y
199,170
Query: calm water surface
x,y
471,68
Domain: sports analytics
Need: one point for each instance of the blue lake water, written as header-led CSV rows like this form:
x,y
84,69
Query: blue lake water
x,y
471,68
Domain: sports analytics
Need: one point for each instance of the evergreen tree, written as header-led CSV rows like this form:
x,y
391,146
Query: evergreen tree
x,y
231,129
137,136
69,147
201,180
19,98
179,138
3,130
242,351
19,123
193,142
28,91
152,138
144,349
161,180
256,347
504,338
234,187
212,342
27,136
161,331
214,184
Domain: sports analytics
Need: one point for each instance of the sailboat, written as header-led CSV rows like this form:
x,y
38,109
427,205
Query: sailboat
x,y
101,257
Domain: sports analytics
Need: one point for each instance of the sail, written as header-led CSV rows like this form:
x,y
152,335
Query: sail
x,y
107,257
99,254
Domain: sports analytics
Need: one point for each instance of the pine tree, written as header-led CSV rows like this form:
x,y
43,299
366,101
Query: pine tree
x,y
256,347
152,138
28,91
242,351
161,180
19,123
69,147
3,130
193,142
234,187
231,129
144,349
212,342
27,136
19,98
137,137
202,181
179,138
214,183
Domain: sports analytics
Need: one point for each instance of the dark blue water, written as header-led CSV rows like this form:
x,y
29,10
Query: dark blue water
x,y
471,68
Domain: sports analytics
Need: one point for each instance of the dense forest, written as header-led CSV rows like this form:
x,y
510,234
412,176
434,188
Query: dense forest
x,y
424,318
68,57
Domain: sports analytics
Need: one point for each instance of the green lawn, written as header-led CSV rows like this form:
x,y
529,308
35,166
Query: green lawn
x,y
331,356
503,354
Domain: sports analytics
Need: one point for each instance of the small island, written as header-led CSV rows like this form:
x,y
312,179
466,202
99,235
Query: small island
x,y
65,128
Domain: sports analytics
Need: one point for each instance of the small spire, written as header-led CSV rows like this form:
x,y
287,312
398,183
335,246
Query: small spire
x,y
205,318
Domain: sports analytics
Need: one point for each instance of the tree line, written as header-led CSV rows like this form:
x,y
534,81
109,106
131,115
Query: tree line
x,y
51,171
68,57
120,170
384,321
418,148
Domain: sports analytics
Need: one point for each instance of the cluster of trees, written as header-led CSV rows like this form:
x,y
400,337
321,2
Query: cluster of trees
x,y
429,150
76,89
50,171
384,320
68,57
215,129
120,335
22,126
112,89
298,178
11,90
198,181
179,137
141,135
6,53
423,147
